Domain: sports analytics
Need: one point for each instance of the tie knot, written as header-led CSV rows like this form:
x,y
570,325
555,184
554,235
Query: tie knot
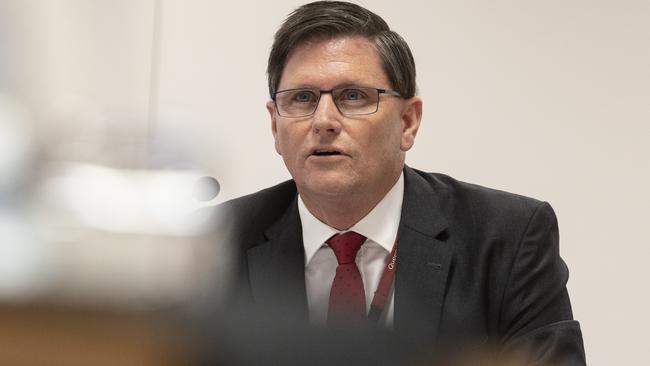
x,y
346,246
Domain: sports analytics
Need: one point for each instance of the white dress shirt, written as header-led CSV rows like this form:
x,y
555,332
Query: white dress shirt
x,y
379,226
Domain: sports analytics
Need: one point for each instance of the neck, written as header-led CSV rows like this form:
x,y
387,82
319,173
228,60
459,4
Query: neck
x,y
343,211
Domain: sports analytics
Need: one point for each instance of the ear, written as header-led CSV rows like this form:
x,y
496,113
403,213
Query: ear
x,y
270,107
411,117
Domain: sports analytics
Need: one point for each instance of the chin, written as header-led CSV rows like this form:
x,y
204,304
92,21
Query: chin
x,y
330,184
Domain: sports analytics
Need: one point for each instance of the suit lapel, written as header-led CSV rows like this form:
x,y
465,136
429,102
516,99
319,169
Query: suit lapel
x,y
277,270
423,260
277,273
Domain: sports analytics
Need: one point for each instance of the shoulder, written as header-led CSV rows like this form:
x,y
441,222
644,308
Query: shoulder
x,y
259,209
277,197
484,208
456,195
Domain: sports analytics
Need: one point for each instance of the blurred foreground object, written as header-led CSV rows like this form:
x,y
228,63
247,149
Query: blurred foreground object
x,y
97,221
66,336
96,234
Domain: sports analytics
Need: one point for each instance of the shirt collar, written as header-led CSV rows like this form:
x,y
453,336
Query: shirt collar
x,y
379,225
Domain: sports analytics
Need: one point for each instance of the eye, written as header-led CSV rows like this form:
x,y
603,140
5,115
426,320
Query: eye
x,y
352,95
304,96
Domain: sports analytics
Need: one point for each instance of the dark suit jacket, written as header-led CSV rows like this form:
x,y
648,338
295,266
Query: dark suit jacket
x,y
473,264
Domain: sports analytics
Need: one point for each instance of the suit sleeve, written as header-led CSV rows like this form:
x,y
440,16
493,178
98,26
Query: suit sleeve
x,y
536,317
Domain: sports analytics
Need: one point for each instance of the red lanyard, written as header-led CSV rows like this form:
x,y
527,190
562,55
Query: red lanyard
x,y
383,289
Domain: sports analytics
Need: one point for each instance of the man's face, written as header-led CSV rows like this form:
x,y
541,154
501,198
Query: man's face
x,y
370,148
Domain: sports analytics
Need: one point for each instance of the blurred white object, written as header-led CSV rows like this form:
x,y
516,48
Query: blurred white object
x,y
125,201
15,144
22,257
119,236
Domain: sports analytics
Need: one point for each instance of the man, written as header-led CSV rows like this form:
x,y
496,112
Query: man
x,y
452,262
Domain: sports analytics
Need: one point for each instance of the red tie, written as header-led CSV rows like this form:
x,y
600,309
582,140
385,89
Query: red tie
x,y
347,297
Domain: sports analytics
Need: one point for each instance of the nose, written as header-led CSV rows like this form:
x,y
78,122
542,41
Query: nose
x,y
326,118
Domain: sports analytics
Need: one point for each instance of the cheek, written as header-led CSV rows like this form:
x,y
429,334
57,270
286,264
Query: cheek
x,y
376,147
283,135
386,138
288,142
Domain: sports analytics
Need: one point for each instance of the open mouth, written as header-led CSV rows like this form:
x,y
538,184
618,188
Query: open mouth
x,y
326,153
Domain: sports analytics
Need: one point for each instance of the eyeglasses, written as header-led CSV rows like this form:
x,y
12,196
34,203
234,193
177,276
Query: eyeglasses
x,y
350,101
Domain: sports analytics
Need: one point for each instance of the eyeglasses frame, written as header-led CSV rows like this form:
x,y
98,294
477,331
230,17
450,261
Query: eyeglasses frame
x,y
321,92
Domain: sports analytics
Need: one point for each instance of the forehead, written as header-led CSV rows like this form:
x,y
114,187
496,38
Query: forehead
x,y
328,63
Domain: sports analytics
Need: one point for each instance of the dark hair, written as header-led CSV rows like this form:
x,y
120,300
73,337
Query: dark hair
x,y
330,19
